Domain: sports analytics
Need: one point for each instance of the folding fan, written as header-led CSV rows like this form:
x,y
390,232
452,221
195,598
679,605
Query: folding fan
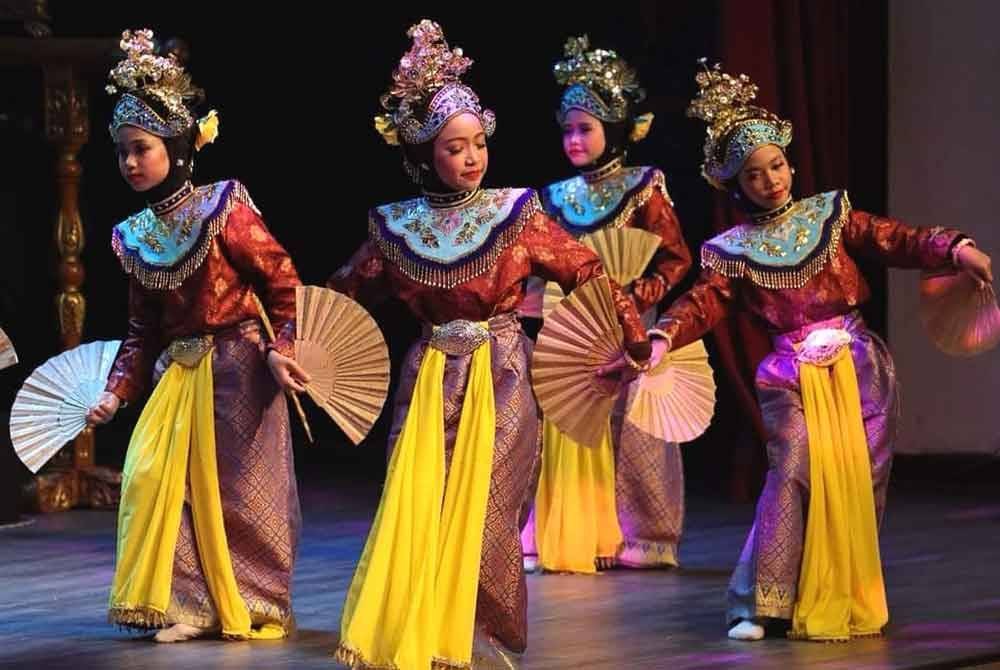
x,y
675,400
52,405
961,318
624,252
341,347
8,356
579,335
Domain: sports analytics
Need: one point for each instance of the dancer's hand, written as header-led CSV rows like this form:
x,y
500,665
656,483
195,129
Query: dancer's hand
x,y
648,290
625,371
660,349
104,409
289,374
976,264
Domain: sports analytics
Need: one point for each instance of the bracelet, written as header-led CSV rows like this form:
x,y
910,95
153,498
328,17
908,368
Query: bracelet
x,y
662,334
964,242
638,367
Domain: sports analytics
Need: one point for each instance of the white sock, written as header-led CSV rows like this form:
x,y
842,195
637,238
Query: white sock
x,y
747,631
530,563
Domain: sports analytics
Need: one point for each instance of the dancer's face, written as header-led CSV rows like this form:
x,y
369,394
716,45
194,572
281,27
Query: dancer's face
x,y
582,137
460,154
766,178
142,158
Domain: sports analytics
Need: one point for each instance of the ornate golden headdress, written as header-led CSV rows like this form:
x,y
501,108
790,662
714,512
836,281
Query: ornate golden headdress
x,y
600,83
427,83
735,127
143,74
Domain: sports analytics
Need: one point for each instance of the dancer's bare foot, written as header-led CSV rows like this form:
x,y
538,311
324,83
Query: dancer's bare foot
x,y
179,632
489,654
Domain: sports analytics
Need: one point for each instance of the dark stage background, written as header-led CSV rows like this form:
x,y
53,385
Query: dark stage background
x,y
296,90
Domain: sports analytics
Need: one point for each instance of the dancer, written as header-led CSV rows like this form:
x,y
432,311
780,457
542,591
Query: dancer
x,y
828,392
209,515
441,570
621,501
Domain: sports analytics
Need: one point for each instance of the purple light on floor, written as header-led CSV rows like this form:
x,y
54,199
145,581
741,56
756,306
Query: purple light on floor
x,y
956,628
980,513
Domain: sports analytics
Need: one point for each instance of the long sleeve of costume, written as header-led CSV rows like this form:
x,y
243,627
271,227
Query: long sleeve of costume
x,y
671,261
696,312
897,244
133,367
363,277
263,261
557,257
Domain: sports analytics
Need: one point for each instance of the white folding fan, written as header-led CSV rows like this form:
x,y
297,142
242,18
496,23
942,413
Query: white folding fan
x,y
52,405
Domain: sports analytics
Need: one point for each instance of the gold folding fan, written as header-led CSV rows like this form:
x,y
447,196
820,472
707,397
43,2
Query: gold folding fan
x,y
52,405
624,252
551,297
675,400
8,356
579,336
341,347
961,319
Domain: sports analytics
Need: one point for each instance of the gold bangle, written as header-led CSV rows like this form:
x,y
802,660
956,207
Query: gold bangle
x,y
964,242
662,334
638,367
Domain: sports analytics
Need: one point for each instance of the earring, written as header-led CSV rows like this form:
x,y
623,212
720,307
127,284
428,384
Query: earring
x,y
792,170
180,162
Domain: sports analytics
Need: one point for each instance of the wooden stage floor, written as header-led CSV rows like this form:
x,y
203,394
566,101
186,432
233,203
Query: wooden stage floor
x,y
941,555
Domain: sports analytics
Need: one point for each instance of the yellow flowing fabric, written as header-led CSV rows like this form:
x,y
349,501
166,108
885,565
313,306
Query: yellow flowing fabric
x,y
174,439
412,602
841,592
576,520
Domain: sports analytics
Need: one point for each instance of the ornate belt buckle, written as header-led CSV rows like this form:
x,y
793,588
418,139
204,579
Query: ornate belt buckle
x,y
823,346
459,337
188,351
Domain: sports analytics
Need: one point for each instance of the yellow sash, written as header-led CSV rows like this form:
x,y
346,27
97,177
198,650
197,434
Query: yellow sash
x,y
174,439
412,601
576,520
841,593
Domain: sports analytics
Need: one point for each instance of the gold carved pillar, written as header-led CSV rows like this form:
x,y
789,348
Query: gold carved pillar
x,y
67,127
66,65
69,482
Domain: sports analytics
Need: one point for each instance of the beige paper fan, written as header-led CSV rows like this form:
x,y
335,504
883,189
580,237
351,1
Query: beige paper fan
x,y
961,319
552,296
8,356
341,347
624,252
579,336
675,401
52,405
